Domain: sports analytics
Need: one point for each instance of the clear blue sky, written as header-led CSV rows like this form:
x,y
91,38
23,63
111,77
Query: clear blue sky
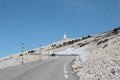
x,y
40,22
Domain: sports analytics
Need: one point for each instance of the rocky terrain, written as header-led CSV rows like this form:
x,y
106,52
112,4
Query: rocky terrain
x,y
99,55
41,53
103,58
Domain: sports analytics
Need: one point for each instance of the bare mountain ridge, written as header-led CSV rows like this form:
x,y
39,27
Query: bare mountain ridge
x,y
103,58
102,52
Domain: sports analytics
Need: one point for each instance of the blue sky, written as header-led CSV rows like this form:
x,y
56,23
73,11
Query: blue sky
x,y
40,22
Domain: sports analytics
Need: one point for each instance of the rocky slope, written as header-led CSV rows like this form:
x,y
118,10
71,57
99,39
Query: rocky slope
x,y
103,58
99,55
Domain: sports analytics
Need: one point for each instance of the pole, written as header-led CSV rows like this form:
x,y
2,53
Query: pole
x,y
40,53
48,52
54,50
22,53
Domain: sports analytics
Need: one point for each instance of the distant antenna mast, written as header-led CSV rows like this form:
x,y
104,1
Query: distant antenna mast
x,y
65,36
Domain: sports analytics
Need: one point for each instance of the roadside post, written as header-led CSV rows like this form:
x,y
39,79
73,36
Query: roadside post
x,y
53,50
22,53
40,55
48,52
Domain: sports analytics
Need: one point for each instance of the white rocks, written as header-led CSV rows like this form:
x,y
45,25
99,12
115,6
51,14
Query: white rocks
x,y
103,62
17,60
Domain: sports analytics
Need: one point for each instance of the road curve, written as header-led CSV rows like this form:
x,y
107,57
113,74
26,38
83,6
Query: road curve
x,y
52,69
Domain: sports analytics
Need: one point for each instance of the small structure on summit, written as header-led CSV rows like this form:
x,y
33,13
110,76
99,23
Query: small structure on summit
x,y
65,36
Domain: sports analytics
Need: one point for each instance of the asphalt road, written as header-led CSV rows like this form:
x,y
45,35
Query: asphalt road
x,y
53,69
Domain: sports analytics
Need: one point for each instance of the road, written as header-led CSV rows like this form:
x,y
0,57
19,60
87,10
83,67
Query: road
x,y
52,69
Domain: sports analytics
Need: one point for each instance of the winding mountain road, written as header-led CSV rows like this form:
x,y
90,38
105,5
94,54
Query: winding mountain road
x,y
58,68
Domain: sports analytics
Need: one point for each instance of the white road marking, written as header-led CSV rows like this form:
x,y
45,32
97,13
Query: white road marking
x,y
65,69
66,76
65,65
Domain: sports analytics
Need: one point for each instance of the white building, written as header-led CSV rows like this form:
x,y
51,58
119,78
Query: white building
x,y
65,36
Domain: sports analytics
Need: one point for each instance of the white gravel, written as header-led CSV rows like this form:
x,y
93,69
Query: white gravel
x,y
103,60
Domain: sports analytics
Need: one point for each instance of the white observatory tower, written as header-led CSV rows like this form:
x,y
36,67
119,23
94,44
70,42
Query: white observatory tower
x,y
65,36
